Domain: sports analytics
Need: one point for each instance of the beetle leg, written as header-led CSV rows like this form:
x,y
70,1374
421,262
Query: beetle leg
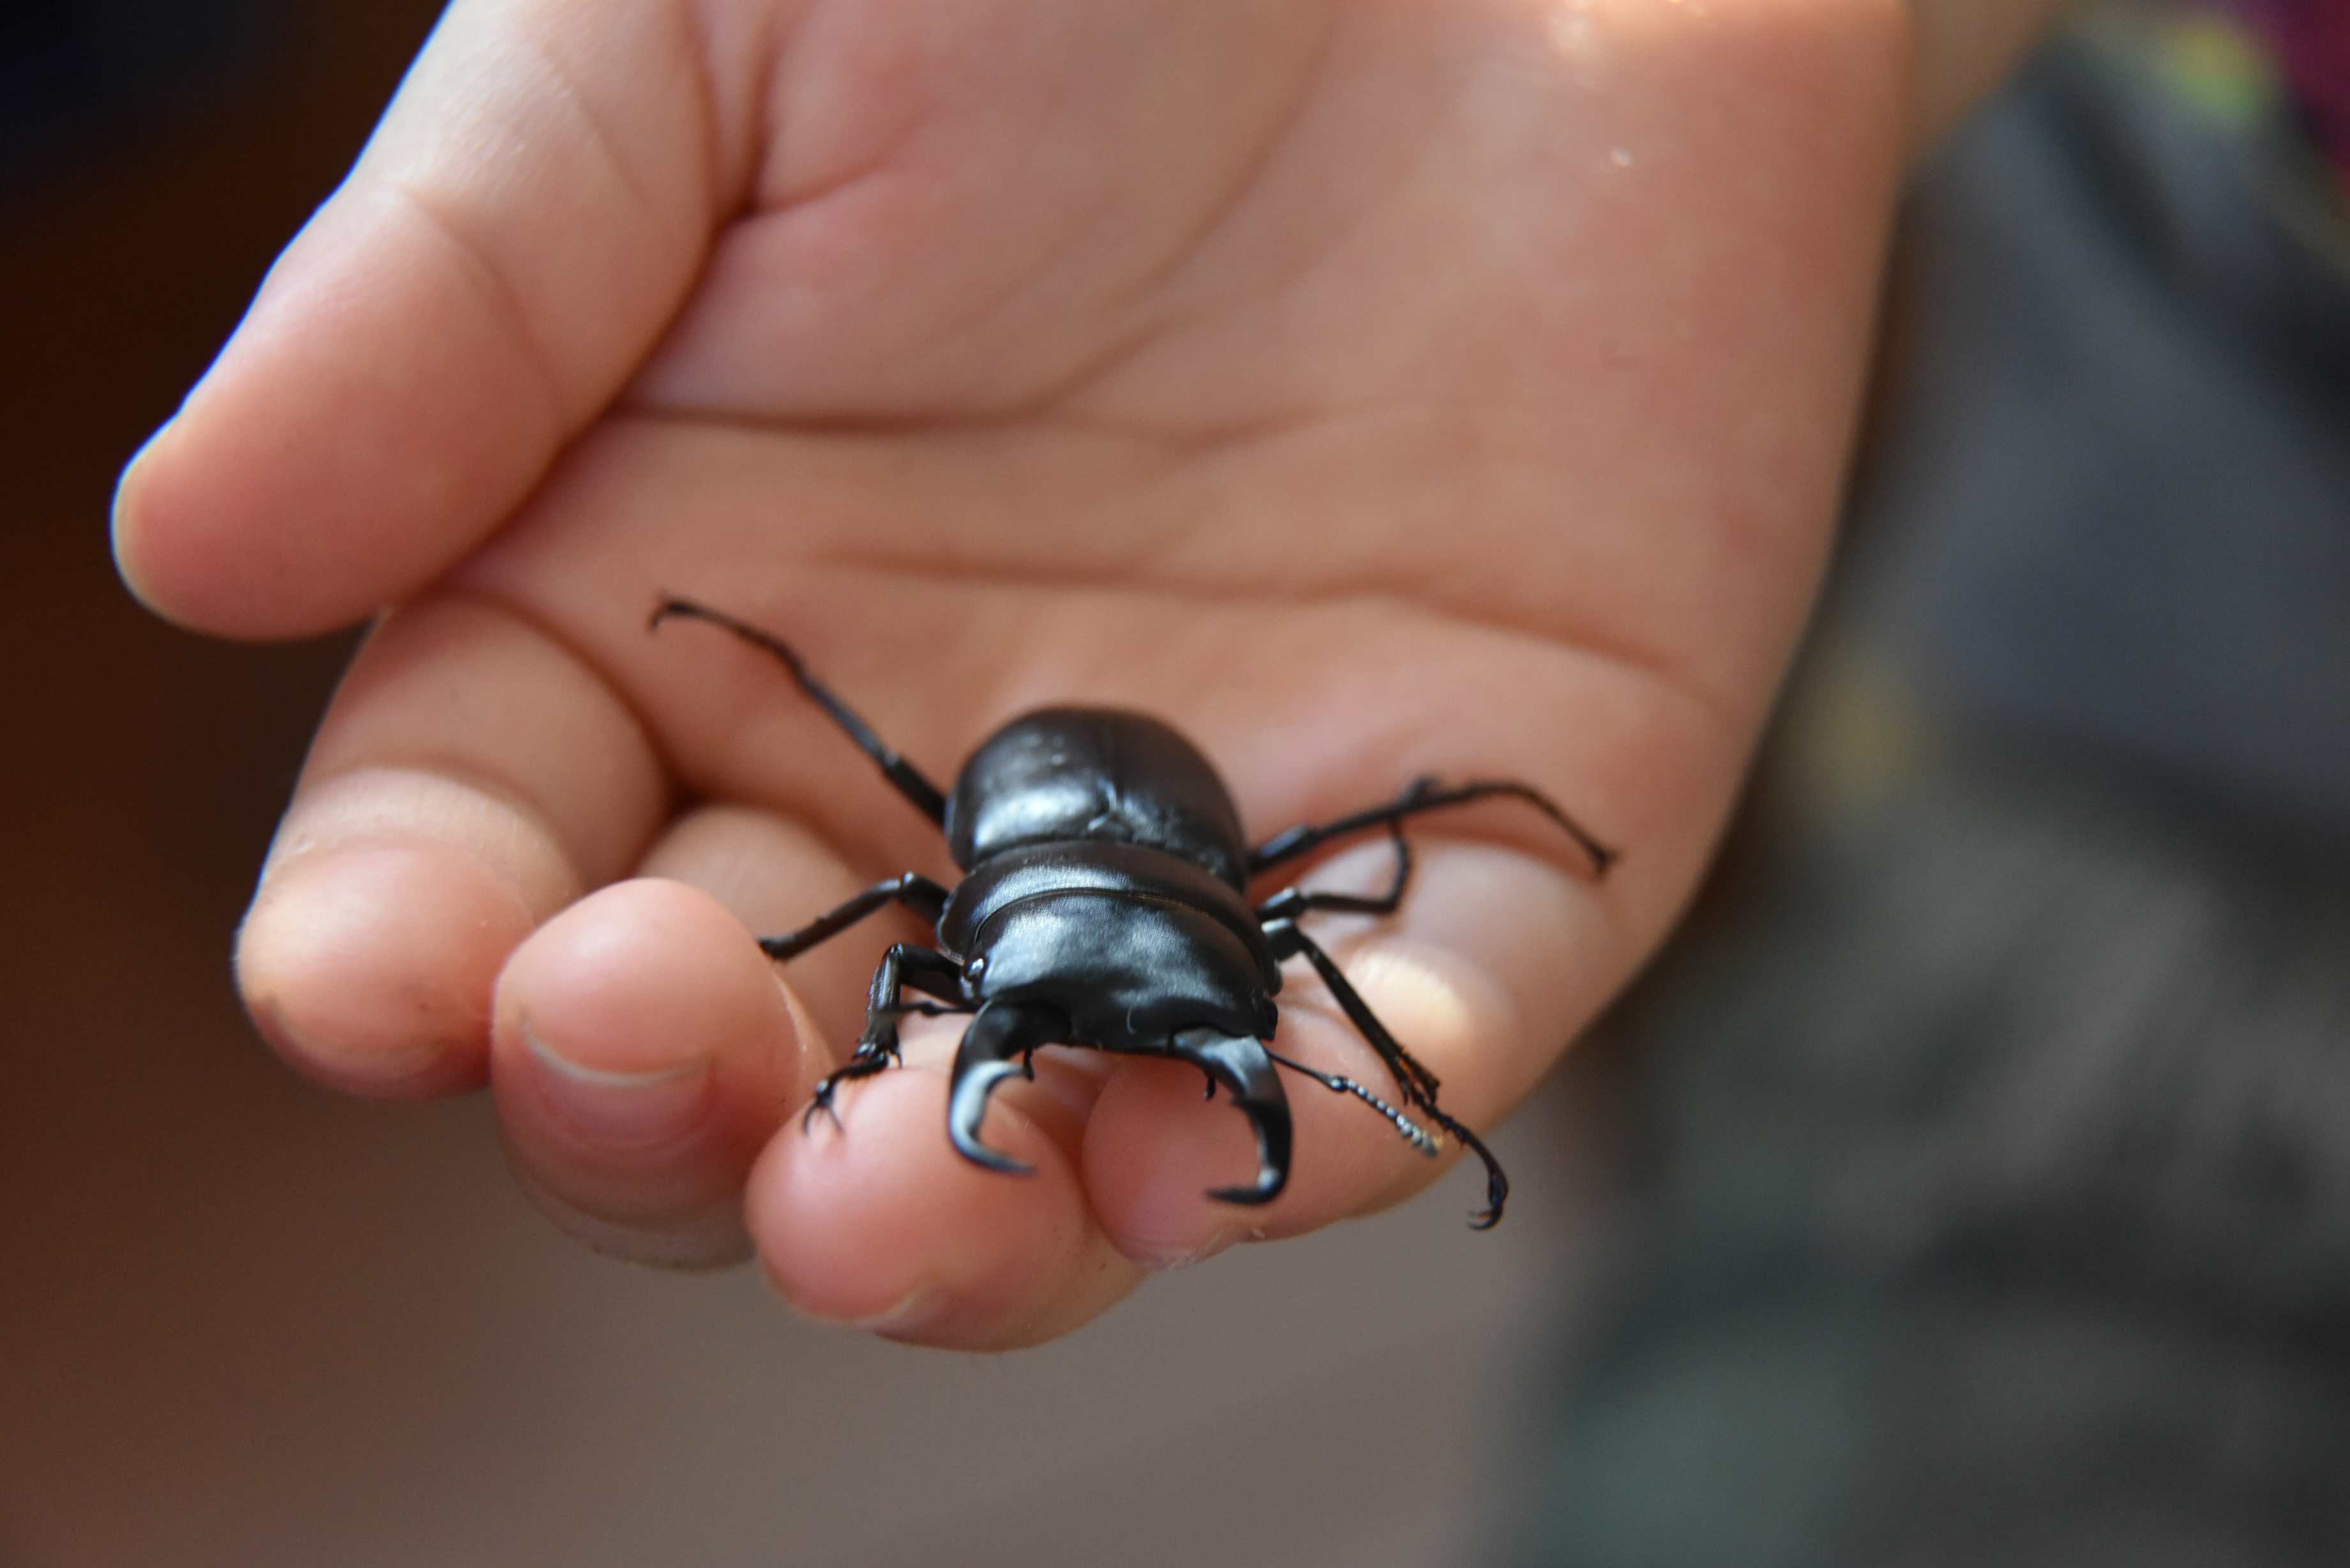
x,y
903,777
924,969
927,969
918,893
1292,902
999,1042
1425,794
1242,1066
1418,1084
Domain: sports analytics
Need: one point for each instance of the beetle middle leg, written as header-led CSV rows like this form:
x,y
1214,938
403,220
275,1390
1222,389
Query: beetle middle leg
x,y
1426,795
915,891
1292,902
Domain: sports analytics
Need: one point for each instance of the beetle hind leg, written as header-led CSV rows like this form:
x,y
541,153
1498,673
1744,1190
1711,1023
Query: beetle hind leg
x,y
1243,1066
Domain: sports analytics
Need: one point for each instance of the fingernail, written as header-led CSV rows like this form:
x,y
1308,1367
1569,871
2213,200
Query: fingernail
x,y
396,1073
118,514
623,1110
138,460
919,1306
714,1238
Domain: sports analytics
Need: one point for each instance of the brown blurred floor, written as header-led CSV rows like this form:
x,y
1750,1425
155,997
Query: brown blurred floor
x,y
245,1322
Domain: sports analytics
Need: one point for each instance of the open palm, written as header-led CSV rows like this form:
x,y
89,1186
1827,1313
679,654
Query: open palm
x,y
1372,389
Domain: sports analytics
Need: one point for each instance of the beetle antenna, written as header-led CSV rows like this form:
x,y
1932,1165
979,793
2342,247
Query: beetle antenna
x,y
1419,1138
902,774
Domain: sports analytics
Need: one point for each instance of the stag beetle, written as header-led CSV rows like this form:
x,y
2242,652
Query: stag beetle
x,y
1104,904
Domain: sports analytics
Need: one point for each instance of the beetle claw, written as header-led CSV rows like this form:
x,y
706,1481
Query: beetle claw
x,y
1243,1065
969,1105
999,1043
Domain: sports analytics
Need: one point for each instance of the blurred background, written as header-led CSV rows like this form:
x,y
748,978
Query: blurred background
x,y
1988,1201
245,1322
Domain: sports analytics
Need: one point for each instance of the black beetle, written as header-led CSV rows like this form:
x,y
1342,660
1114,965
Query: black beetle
x,y
1104,904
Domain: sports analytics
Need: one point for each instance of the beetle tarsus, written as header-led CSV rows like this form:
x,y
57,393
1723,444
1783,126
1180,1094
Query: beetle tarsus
x,y
870,1056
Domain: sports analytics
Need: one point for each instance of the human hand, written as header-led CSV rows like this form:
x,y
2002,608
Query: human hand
x,y
1370,389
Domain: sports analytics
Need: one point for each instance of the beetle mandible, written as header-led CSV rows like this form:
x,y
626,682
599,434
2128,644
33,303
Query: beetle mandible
x,y
1104,903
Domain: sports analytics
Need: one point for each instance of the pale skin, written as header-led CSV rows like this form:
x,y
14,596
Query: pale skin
x,y
1453,387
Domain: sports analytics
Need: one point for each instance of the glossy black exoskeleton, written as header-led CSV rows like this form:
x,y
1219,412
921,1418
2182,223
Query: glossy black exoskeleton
x,y
1104,904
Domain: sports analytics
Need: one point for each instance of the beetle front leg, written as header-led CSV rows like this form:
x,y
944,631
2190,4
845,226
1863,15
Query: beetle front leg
x,y
1411,1076
926,969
